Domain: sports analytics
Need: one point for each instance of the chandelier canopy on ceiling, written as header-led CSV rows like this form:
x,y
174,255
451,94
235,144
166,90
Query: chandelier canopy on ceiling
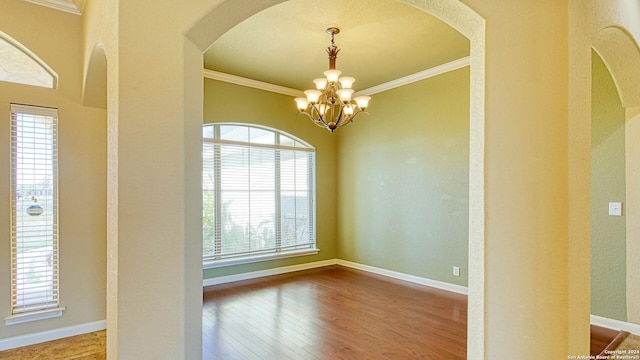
x,y
330,105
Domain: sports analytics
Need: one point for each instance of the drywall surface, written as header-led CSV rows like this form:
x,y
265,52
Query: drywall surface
x,y
404,180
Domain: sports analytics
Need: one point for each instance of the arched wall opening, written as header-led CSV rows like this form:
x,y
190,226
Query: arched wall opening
x,y
458,16
621,56
95,81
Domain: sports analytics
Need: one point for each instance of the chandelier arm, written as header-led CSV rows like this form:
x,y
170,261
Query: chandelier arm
x,y
319,123
320,118
333,114
312,109
340,119
352,117
307,114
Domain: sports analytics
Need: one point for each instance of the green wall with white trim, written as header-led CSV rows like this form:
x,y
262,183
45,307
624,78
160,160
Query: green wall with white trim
x,y
392,188
608,233
404,180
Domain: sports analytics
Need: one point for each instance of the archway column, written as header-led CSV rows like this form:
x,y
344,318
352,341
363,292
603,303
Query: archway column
x,y
154,305
579,180
527,186
632,212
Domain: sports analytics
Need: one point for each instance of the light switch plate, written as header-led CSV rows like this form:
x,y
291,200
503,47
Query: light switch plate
x,y
615,209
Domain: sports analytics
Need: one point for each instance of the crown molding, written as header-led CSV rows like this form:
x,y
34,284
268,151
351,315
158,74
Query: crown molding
x,y
238,80
73,7
80,5
425,74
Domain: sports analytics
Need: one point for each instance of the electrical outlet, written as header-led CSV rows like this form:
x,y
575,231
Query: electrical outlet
x,y
456,271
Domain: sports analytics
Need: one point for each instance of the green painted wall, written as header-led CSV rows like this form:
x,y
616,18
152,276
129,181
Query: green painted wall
x,y
608,233
404,180
224,102
401,200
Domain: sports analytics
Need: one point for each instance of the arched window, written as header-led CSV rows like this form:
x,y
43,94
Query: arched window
x,y
19,65
258,194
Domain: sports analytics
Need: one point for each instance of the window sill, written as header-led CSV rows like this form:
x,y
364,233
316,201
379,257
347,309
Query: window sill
x,y
253,259
33,316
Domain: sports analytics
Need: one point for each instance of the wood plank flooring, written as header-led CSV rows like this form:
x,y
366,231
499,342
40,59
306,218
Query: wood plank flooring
x,y
326,313
601,338
332,313
605,339
90,346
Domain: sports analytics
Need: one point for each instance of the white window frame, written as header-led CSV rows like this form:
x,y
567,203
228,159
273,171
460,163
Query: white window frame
x,y
218,259
34,156
23,66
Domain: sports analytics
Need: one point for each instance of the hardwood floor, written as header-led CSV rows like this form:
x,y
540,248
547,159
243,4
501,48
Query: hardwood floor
x,y
90,346
327,313
605,339
332,313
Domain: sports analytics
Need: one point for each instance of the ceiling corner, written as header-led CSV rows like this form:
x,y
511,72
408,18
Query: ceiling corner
x,y
80,5
70,6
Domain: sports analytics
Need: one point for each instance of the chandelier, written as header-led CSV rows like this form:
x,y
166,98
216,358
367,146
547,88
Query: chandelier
x,y
330,106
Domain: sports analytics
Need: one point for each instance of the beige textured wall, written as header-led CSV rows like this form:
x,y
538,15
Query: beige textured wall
x,y
526,178
56,37
154,106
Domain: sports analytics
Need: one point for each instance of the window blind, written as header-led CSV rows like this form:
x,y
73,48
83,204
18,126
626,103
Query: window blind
x,y
257,194
34,215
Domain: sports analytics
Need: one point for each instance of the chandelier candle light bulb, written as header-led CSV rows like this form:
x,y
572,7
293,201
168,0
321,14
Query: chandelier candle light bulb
x,y
345,94
313,96
347,82
321,83
331,105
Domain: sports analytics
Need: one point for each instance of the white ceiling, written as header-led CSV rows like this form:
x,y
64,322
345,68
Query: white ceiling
x,y
380,41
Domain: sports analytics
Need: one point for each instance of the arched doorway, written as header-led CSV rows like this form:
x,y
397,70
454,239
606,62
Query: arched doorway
x,y
621,56
472,26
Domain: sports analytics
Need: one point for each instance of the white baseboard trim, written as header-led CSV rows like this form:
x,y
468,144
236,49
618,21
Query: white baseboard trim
x,y
615,324
55,334
410,278
372,269
268,272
